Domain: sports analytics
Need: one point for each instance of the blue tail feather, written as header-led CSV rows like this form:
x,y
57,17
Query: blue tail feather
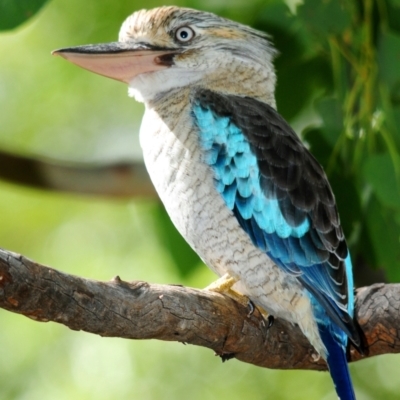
x,y
337,362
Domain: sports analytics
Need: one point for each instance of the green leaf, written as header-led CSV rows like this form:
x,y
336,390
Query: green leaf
x,y
384,232
380,173
326,16
396,125
319,145
15,12
393,14
274,13
389,59
332,115
292,93
186,260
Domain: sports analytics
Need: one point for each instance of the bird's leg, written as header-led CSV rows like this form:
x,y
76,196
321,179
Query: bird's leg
x,y
224,285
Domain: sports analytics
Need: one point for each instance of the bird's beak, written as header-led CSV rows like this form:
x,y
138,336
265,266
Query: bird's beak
x,y
117,60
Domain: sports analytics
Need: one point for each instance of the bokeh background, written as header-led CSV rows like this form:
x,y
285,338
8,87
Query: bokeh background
x,y
339,86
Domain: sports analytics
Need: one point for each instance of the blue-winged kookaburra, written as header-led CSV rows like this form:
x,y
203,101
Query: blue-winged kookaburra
x,y
237,182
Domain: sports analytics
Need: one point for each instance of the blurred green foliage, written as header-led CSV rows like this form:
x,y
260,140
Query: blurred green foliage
x,y
339,86
15,12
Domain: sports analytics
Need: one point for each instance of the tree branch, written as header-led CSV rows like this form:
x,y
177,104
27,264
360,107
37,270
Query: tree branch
x,y
139,310
118,179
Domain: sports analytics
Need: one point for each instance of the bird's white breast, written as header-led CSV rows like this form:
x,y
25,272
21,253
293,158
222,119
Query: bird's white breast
x,y
185,185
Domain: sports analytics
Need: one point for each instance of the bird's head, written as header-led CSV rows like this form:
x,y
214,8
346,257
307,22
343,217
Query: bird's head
x,y
171,47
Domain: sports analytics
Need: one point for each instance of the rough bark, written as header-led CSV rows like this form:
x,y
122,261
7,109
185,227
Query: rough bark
x,y
139,310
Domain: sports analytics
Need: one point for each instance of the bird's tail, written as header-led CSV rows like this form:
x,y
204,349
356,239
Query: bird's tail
x,y
337,364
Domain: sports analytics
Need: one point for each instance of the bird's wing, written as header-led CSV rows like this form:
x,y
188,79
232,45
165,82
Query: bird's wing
x,y
279,193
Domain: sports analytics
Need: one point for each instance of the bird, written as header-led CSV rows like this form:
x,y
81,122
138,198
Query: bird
x,y
234,177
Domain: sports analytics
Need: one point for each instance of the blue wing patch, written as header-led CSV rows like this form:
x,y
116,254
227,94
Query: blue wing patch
x,y
237,178
287,233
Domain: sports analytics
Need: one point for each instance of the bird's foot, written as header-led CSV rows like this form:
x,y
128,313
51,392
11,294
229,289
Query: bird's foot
x,y
224,285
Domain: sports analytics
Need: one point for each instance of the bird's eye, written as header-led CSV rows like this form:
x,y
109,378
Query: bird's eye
x,y
184,34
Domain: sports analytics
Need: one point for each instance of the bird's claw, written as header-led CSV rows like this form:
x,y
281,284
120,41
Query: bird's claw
x,y
251,308
266,324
